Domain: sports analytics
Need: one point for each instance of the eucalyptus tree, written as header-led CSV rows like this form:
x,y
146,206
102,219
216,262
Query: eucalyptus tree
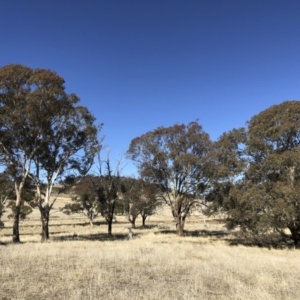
x,y
175,159
265,197
107,185
67,150
41,131
149,202
140,197
99,192
19,138
274,148
228,164
84,201
131,189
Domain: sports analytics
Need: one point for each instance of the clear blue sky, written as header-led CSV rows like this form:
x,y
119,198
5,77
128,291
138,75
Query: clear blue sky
x,y
140,64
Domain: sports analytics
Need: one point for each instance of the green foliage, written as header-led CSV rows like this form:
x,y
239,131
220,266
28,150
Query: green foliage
x,y
25,209
107,187
8,196
120,208
84,200
257,182
175,159
139,197
28,203
44,133
97,194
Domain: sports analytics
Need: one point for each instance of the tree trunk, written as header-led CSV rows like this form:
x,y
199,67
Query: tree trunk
x,y
179,229
132,221
294,226
109,222
16,233
295,235
180,221
177,214
144,217
126,208
90,215
45,213
183,222
45,228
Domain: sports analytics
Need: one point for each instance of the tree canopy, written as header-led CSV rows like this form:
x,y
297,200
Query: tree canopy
x,y
252,173
266,161
175,158
41,128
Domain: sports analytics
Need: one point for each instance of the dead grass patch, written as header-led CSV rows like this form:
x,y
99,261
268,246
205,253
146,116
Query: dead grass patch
x,y
146,268
156,264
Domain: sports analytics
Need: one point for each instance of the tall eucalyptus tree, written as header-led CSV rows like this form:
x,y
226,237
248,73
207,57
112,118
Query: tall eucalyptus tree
x,y
41,129
175,159
264,159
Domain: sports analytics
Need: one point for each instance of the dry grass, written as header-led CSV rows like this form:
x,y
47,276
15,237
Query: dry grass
x,y
155,265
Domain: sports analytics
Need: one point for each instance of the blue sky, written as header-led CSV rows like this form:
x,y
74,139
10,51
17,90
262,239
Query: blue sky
x,y
140,64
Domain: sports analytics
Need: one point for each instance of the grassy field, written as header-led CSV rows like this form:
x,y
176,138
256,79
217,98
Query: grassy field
x,y
80,262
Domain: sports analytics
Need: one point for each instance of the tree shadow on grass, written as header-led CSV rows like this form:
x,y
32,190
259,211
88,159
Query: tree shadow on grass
x,y
208,233
234,238
25,224
198,233
267,241
93,237
52,225
146,227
